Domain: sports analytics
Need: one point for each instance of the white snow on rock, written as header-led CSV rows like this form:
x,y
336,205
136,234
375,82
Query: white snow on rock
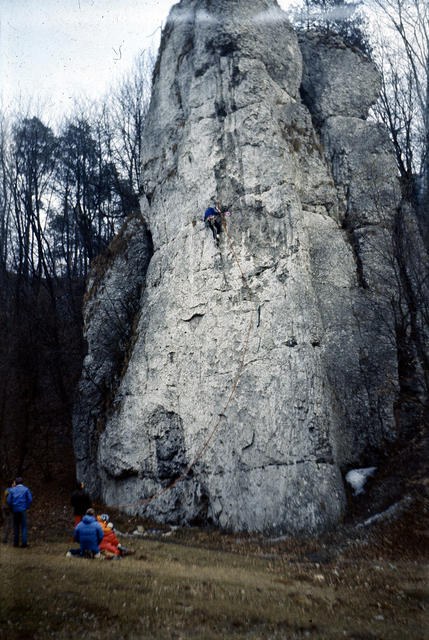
x,y
357,479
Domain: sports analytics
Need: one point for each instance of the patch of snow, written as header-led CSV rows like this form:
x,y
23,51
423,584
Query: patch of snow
x,y
123,535
358,477
277,539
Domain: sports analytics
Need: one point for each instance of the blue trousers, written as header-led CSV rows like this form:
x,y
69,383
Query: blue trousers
x,y
19,522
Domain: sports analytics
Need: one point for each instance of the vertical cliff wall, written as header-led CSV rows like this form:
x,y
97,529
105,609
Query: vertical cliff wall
x,y
244,114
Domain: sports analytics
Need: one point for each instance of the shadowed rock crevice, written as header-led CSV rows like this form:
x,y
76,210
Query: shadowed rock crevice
x,y
169,445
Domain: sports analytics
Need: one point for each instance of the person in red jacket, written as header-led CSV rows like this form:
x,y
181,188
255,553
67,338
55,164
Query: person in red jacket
x,y
110,545
110,542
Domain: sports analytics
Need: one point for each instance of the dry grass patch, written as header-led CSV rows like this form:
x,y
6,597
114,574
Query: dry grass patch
x,y
169,590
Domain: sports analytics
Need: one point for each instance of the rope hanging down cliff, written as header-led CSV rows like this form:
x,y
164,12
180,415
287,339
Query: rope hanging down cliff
x,y
222,415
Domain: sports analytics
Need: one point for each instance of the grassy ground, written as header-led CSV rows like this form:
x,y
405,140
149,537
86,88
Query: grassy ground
x,y
205,585
360,584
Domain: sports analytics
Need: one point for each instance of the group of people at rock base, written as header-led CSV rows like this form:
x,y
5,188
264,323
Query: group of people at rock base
x,y
97,538
96,535
17,499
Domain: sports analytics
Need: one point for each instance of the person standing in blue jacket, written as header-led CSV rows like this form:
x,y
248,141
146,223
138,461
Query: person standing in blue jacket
x,y
19,499
89,533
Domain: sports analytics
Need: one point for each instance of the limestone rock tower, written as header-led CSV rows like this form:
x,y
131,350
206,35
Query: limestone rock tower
x,y
274,128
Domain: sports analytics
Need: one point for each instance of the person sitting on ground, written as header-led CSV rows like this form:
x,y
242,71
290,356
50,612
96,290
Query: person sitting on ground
x,y
81,502
109,546
110,543
89,534
213,219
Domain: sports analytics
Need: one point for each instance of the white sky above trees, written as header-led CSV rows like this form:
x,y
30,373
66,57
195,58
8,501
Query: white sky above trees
x,y
54,51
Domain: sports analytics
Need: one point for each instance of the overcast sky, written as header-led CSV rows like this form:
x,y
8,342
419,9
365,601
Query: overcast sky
x,y
55,50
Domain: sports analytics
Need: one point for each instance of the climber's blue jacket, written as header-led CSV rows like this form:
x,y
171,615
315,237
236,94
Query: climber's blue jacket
x,y
19,498
89,534
210,212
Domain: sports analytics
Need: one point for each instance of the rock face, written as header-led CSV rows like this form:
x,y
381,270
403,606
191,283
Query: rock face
x,y
244,114
112,309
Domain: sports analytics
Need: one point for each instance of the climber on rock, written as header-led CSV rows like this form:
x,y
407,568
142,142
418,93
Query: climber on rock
x,y
213,218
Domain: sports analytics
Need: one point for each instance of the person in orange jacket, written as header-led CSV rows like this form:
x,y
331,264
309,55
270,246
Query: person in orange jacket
x,y
103,519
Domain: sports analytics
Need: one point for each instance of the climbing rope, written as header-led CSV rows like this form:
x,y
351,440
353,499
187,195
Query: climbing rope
x,y
231,395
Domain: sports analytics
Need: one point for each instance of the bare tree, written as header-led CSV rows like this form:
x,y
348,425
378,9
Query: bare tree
x,y
30,168
125,117
397,270
5,200
341,17
63,196
87,213
404,107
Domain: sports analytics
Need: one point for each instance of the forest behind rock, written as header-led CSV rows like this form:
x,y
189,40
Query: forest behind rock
x,y
66,188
